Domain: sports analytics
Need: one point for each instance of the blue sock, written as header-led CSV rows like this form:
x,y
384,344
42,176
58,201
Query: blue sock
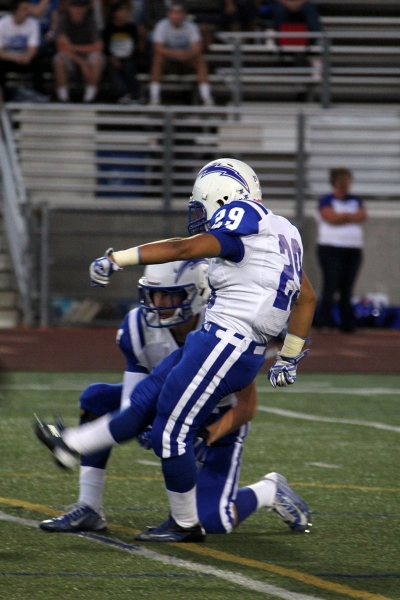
x,y
99,399
180,472
97,460
246,503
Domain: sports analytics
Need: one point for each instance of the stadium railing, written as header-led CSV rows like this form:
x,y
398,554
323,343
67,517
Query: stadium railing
x,y
14,209
104,156
140,162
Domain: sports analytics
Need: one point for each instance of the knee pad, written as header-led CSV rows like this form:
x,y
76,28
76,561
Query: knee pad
x,y
100,398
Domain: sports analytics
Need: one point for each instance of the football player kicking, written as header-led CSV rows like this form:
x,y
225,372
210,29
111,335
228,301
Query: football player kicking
x,y
173,299
257,288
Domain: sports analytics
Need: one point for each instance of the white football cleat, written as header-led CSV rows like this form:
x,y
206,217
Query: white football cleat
x,y
289,506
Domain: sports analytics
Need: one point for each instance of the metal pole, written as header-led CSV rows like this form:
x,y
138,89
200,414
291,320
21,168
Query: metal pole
x,y
326,98
237,68
301,121
168,144
44,266
31,281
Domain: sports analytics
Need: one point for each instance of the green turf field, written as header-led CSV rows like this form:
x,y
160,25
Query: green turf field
x,y
335,438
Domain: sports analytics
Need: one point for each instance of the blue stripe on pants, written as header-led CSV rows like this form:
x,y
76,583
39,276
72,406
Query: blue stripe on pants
x,y
209,370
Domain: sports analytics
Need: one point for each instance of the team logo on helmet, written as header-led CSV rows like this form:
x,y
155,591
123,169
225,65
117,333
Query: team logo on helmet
x,y
224,171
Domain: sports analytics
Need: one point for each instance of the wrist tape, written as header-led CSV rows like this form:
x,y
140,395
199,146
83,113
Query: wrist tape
x,y
292,346
123,258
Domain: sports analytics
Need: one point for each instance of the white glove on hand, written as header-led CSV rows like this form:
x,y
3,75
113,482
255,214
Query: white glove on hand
x,y
283,371
101,270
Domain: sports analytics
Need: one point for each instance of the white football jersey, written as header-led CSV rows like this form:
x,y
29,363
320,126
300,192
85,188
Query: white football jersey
x,y
253,291
145,347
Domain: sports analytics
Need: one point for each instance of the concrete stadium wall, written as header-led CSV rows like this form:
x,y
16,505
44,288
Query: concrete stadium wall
x,y
77,238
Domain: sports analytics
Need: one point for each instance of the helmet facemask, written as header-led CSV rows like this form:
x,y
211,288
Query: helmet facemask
x,y
198,215
184,288
180,301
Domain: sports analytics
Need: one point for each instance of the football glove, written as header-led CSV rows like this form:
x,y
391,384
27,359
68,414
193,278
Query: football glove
x,y
283,371
202,435
144,438
101,269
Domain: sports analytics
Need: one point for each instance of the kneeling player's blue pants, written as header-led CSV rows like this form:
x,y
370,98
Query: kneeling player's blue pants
x,y
218,479
100,399
182,392
218,465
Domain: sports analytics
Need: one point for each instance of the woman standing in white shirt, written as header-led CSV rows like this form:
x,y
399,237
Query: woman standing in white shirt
x,y
339,249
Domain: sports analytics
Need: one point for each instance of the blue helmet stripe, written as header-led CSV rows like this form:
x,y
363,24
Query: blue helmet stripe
x,y
188,264
224,171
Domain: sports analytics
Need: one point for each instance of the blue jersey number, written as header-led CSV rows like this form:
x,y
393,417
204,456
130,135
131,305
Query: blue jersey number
x,y
285,296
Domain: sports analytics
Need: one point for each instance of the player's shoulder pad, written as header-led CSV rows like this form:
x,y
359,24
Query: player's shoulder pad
x,y
124,330
239,217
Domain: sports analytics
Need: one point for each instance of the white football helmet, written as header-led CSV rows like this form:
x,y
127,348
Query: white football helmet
x,y
219,182
188,278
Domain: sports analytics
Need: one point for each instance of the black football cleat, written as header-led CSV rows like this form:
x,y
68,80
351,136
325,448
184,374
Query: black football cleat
x,y
50,436
170,531
79,517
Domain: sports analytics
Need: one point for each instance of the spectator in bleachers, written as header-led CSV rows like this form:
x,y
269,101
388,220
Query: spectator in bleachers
x,y
339,249
240,15
152,11
208,15
105,9
295,11
79,50
19,42
297,15
221,15
120,44
178,49
46,12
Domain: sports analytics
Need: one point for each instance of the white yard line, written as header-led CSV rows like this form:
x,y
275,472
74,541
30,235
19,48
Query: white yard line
x,y
324,389
323,465
242,580
305,417
44,387
6,517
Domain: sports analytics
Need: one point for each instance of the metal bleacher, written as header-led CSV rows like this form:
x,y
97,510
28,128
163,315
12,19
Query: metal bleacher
x,y
359,61
110,156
